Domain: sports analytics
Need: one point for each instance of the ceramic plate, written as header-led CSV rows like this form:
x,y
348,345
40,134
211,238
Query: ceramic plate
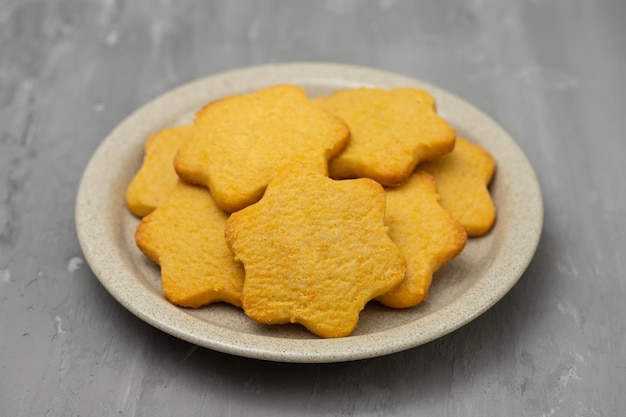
x,y
465,288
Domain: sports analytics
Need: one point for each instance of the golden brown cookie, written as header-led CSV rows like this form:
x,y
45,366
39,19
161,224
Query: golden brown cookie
x,y
462,178
156,179
425,233
315,251
241,140
185,236
392,131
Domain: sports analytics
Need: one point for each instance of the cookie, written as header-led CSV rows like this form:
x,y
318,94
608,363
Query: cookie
x,y
462,178
392,131
185,236
425,232
315,251
156,179
240,141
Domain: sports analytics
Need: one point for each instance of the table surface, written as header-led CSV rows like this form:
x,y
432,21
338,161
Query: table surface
x,y
550,72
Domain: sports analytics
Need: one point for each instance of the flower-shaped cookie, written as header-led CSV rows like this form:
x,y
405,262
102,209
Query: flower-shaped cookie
x,y
425,233
185,236
462,178
315,251
392,131
241,140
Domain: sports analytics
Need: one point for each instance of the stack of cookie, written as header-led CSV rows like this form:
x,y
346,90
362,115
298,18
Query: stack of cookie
x,y
303,211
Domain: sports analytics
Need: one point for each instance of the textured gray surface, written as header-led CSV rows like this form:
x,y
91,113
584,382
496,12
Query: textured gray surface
x,y
551,72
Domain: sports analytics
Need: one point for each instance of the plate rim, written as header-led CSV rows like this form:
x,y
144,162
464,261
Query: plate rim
x,y
308,350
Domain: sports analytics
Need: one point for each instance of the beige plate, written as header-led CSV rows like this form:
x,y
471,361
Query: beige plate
x,y
461,291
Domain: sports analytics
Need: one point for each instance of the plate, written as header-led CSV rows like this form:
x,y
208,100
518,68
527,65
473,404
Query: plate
x,y
462,290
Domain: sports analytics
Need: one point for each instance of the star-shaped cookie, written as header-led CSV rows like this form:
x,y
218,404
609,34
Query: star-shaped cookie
x,y
315,251
240,141
185,236
463,177
392,131
425,233
156,179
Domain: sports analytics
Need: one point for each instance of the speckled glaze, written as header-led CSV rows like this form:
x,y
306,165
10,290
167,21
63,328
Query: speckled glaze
x,y
465,288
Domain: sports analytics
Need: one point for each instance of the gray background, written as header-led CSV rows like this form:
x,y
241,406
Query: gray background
x,y
550,72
